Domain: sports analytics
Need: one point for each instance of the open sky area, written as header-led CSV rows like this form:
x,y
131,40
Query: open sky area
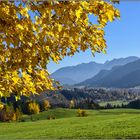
x,y
122,36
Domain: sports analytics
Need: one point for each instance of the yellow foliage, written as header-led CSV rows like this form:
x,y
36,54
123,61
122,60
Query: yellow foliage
x,y
55,30
19,26
45,105
33,108
82,113
1,106
14,117
71,104
8,114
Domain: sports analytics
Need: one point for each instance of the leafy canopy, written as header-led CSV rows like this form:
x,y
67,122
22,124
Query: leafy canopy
x,y
34,33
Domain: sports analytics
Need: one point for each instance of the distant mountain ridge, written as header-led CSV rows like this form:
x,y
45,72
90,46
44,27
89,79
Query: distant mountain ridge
x,y
108,65
125,76
75,74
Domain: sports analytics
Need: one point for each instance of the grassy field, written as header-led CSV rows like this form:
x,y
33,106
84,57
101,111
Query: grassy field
x,y
117,102
117,123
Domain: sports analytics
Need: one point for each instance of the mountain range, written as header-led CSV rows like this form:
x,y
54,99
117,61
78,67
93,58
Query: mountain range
x,y
125,76
97,74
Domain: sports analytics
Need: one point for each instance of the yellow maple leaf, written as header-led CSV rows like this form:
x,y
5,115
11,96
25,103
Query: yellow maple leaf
x,y
20,26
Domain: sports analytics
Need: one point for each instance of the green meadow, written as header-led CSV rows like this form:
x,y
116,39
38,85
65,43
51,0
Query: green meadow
x,y
117,102
115,123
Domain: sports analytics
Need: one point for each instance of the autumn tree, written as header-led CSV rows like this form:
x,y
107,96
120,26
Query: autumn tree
x,y
45,105
34,33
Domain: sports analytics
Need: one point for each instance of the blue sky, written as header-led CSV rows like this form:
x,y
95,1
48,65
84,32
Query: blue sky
x,y
122,36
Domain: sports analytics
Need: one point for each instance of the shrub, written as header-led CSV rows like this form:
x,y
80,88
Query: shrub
x,y
51,117
82,113
1,106
71,104
22,120
32,108
7,114
3,116
18,114
45,105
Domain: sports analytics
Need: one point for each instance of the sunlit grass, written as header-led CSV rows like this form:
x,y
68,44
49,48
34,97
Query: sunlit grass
x,y
117,123
117,102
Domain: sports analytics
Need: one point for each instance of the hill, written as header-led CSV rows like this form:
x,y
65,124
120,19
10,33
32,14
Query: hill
x,y
108,65
126,76
75,74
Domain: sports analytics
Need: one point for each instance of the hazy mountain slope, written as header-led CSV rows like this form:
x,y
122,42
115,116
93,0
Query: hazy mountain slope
x,y
122,76
128,81
94,80
76,74
108,65
65,80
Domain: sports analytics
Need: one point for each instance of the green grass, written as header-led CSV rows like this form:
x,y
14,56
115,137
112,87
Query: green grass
x,y
57,113
117,123
117,102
